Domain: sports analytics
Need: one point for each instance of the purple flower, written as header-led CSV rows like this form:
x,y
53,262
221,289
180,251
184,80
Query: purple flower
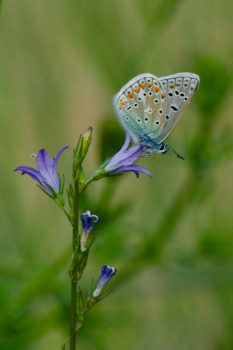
x,y
106,273
123,160
88,222
46,175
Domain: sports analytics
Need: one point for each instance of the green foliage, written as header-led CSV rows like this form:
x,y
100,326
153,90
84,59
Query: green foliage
x,y
215,83
157,12
216,244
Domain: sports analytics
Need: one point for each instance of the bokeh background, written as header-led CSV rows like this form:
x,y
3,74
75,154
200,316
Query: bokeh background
x,y
61,62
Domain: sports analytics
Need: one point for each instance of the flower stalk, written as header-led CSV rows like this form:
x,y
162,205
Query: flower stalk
x,y
50,182
74,277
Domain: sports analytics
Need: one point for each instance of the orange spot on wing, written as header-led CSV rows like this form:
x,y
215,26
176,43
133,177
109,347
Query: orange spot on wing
x,y
156,88
137,89
149,84
172,85
162,95
122,103
119,107
143,85
130,95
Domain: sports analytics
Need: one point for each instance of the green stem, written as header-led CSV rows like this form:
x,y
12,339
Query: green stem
x,y
74,280
73,315
76,216
87,183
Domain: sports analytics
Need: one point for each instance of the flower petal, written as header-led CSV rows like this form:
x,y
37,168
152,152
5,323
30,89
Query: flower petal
x,y
135,168
87,219
57,157
125,158
45,167
35,174
44,163
126,143
107,272
118,156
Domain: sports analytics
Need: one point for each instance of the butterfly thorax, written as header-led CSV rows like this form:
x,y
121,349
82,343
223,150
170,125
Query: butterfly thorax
x,y
150,146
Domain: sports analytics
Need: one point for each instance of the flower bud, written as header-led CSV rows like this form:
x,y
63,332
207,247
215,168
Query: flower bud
x,y
81,151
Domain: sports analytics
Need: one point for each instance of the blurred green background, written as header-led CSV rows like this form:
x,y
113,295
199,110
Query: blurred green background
x,y
61,62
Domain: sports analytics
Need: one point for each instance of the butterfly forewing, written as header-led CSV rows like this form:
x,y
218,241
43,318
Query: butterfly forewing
x,y
141,106
180,90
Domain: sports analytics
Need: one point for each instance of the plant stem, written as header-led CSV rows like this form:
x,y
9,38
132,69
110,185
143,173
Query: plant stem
x,y
74,280
73,315
87,183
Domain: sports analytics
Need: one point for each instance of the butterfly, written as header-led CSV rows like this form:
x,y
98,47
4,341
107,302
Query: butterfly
x,y
149,107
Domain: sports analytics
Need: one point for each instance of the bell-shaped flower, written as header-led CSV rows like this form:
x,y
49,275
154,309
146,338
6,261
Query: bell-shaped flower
x,y
46,174
107,272
123,160
88,222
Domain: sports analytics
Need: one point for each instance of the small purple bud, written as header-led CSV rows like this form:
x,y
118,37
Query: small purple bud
x,y
88,222
106,273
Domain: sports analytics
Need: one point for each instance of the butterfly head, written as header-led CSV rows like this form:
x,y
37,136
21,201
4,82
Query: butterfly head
x,y
158,148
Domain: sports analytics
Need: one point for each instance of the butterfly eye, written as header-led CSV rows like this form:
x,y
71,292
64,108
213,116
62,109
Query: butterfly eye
x,y
161,148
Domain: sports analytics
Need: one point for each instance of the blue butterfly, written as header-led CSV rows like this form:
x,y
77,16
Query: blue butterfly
x,y
149,107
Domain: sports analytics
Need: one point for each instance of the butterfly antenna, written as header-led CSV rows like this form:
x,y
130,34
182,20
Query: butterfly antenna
x,y
177,154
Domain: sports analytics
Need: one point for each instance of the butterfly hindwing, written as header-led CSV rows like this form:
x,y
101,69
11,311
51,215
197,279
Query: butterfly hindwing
x,y
180,90
141,106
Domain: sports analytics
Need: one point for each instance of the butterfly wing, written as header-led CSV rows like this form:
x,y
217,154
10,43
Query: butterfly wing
x,y
180,90
141,106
